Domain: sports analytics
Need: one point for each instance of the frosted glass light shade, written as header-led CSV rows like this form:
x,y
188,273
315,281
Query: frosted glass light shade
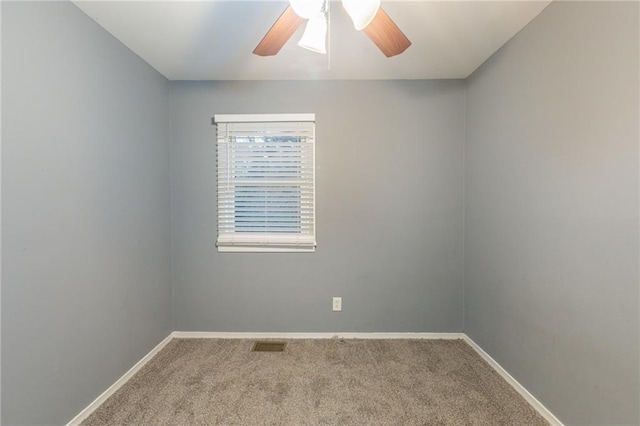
x,y
315,35
307,9
361,12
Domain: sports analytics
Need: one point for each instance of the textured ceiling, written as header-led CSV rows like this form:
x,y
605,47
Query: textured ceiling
x,y
213,40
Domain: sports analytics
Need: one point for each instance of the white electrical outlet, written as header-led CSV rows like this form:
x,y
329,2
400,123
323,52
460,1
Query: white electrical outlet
x,y
337,304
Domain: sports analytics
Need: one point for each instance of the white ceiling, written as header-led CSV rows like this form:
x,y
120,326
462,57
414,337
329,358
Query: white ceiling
x,y
213,40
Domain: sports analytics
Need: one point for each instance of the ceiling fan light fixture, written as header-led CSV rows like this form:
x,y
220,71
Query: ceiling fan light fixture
x,y
315,35
308,9
361,12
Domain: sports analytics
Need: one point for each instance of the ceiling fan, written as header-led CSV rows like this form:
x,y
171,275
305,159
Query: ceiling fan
x,y
367,15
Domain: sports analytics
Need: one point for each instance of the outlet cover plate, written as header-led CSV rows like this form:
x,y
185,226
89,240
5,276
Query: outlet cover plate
x,y
337,304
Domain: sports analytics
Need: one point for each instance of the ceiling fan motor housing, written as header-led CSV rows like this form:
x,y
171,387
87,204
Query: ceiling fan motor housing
x,y
308,9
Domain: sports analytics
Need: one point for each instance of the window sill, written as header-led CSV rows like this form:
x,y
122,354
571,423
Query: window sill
x,y
241,249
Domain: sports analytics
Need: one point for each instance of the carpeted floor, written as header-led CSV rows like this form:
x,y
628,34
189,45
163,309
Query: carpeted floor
x,y
317,382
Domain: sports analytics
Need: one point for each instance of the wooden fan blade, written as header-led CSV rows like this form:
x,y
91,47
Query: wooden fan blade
x,y
279,33
386,35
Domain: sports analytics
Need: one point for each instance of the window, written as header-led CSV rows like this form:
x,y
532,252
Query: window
x,y
266,182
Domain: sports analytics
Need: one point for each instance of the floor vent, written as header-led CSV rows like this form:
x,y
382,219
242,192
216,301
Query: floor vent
x,y
268,347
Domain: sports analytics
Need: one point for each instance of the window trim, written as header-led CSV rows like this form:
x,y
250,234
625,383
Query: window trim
x,y
262,118
290,246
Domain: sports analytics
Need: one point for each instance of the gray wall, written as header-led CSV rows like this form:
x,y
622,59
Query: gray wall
x,y
86,218
389,211
551,247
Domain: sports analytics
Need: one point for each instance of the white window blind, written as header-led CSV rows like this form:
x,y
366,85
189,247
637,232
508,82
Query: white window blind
x,y
266,182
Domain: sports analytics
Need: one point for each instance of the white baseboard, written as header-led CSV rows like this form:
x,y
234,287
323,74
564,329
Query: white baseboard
x,y
224,335
537,405
118,384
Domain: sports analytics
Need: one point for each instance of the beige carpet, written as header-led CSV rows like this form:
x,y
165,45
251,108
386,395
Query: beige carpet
x,y
317,382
